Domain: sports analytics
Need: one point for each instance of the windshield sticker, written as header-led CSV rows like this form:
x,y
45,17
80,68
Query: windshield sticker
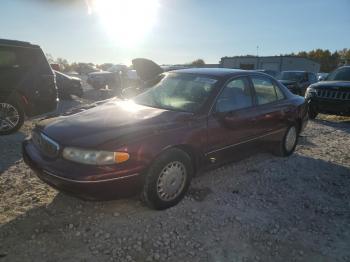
x,y
205,80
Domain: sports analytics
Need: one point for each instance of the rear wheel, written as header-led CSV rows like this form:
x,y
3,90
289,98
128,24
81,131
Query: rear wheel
x,y
288,143
11,117
168,179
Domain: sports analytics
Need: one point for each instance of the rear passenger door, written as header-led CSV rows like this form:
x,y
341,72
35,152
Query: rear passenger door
x,y
270,105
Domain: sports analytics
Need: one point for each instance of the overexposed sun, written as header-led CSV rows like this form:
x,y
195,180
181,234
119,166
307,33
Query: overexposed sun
x,y
126,21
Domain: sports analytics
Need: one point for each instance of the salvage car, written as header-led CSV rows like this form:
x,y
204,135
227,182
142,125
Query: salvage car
x,y
331,96
68,85
191,120
109,78
27,84
297,81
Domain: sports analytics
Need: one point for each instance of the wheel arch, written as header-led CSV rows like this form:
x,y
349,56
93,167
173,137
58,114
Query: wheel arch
x,y
191,152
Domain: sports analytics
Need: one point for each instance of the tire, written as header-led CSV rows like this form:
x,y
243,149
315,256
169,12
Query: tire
x,y
312,113
11,116
80,92
167,180
288,143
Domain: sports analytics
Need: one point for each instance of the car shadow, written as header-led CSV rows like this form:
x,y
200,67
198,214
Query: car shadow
x,y
68,218
341,125
10,149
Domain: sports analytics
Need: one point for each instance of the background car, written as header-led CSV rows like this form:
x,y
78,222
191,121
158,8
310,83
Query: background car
x,y
297,81
68,85
109,78
321,76
331,96
269,72
191,120
27,84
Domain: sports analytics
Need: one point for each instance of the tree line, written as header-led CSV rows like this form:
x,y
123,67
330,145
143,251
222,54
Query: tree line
x,y
328,60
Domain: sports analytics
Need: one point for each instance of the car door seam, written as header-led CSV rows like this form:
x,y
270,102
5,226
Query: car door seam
x,y
246,141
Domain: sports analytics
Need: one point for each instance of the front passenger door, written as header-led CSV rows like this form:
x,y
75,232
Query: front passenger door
x,y
232,121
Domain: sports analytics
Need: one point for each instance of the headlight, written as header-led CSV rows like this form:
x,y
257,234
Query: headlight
x,y
310,92
91,157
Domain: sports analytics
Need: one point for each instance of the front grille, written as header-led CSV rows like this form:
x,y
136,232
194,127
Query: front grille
x,y
45,144
333,94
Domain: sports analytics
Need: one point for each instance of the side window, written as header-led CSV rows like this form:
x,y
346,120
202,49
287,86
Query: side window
x,y
236,95
8,58
264,90
279,93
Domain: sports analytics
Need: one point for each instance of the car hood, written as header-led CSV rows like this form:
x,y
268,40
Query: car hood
x,y
288,82
113,122
338,85
146,69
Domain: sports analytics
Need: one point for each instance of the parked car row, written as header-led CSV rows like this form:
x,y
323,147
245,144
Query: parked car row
x,y
176,124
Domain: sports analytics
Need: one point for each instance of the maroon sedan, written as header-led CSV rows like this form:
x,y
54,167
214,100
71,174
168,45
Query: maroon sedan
x,y
191,120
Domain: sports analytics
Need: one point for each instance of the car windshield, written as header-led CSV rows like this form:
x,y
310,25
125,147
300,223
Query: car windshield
x,y
178,92
291,76
341,74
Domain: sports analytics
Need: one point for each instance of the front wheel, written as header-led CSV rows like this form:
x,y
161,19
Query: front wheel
x,y
167,179
11,117
288,143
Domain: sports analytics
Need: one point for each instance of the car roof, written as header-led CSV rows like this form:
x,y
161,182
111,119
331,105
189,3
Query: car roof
x,y
17,43
215,72
296,71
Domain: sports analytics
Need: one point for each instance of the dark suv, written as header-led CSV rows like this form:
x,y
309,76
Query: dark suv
x,y
331,96
27,84
297,81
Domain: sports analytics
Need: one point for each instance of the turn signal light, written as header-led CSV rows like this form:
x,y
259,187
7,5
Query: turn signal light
x,y
120,157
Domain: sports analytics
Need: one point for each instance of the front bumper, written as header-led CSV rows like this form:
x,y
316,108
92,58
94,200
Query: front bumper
x,y
99,186
330,106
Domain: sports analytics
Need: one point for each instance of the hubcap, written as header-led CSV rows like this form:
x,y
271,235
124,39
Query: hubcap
x,y
9,117
291,139
171,181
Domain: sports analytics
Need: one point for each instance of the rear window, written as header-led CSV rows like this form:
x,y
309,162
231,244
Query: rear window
x,y
266,91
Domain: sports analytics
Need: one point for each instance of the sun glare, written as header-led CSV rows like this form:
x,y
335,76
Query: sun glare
x,y
127,22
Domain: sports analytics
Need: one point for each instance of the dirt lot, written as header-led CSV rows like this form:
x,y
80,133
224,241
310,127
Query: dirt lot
x,y
262,208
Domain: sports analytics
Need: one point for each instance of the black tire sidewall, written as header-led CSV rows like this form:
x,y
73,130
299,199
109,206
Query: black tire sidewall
x,y
150,195
20,111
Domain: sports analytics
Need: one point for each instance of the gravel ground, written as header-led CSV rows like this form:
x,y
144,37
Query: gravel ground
x,y
262,208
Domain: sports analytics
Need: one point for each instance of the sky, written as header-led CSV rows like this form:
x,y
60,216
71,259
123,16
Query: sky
x,y
175,31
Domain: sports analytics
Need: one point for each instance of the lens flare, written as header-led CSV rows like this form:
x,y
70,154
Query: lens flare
x,y
126,22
